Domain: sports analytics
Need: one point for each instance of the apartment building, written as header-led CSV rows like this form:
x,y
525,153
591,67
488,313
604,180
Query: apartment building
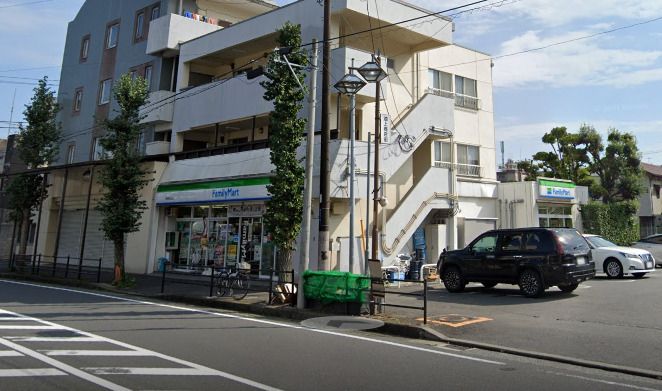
x,y
207,139
650,204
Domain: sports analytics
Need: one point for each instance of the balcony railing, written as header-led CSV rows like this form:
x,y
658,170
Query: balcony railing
x,y
465,101
222,150
462,169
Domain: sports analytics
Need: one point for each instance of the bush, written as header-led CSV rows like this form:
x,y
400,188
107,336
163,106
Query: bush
x,y
616,221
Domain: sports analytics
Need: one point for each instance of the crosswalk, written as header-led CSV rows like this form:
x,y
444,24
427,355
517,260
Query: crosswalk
x,y
56,350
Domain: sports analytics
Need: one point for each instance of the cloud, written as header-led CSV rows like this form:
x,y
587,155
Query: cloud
x,y
580,63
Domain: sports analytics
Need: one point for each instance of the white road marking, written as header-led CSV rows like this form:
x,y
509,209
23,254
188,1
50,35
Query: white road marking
x,y
4,318
26,327
108,353
10,353
150,371
604,381
54,339
268,322
63,367
31,372
196,368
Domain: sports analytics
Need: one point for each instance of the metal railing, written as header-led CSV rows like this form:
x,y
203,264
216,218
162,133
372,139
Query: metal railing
x,y
378,289
222,150
462,169
438,92
201,278
467,102
62,267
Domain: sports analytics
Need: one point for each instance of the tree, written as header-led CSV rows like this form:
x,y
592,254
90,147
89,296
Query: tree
x,y
37,146
618,169
285,208
122,177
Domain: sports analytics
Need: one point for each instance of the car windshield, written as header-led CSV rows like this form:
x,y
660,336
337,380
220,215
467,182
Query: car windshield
x,y
599,241
571,240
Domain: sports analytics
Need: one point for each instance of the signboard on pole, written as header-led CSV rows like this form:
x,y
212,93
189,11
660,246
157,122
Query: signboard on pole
x,y
386,129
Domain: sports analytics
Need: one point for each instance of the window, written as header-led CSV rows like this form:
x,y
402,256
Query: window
x,y
78,99
439,80
133,73
98,153
465,86
140,22
71,152
84,48
140,146
148,76
511,242
468,160
112,35
156,12
104,91
656,190
485,244
442,152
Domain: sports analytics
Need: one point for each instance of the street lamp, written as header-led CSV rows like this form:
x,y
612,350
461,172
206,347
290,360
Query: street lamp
x,y
349,85
372,72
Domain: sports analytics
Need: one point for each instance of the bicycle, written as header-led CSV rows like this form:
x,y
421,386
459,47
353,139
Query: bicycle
x,y
235,284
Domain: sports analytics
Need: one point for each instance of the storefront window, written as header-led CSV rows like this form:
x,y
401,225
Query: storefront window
x,y
555,216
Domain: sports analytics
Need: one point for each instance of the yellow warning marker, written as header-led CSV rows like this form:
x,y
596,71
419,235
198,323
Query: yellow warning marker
x,y
454,320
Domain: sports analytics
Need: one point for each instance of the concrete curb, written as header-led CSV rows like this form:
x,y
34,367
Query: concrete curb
x,y
389,328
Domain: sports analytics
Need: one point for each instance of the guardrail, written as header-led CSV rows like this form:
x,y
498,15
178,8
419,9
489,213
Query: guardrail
x,y
379,289
63,267
207,277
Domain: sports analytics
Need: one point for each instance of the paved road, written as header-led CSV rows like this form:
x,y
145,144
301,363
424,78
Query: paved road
x,y
62,339
612,321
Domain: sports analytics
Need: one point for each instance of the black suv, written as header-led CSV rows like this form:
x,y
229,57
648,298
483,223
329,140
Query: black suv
x,y
533,258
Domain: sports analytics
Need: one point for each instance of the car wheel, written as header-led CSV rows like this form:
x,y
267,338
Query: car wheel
x,y
530,283
638,275
567,288
613,268
453,280
489,285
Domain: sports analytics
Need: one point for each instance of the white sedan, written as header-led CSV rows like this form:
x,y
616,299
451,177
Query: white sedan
x,y
653,244
615,261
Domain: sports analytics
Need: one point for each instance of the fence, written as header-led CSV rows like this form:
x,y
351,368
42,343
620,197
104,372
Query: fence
x,y
201,278
379,289
64,267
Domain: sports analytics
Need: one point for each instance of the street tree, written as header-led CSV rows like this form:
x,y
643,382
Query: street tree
x,y
122,177
285,208
37,145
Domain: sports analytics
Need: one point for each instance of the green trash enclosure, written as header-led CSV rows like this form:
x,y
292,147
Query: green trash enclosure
x,y
335,286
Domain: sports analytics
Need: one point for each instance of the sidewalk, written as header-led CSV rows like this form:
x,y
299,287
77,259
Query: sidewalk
x,y
453,323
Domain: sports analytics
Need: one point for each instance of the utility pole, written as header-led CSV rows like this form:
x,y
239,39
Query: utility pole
x,y
323,262
376,187
11,114
308,191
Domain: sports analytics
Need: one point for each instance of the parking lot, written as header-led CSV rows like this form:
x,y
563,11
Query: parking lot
x,y
612,321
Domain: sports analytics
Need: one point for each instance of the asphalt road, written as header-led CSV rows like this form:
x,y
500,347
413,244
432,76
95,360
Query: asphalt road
x,y
62,339
616,322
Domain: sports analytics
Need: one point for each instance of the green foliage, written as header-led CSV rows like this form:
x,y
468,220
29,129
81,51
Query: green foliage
x,y
122,177
615,221
284,210
37,146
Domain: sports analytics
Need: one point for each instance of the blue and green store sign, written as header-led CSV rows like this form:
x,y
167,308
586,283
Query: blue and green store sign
x,y
556,189
248,189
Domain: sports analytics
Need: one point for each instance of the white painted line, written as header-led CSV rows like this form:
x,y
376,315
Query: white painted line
x,y
591,379
5,318
31,372
109,353
55,339
10,353
26,327
150,371
199,368
63,367
268,322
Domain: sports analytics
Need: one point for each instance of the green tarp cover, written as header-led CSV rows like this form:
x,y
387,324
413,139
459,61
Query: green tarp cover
x,y
335,286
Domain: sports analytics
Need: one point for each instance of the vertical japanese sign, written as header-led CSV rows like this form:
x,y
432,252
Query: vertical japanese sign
x,y
386,129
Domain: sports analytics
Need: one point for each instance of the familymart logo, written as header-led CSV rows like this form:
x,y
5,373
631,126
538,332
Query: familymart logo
x,y
224,194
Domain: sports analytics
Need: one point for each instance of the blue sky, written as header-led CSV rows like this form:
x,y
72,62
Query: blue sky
x,y
610,80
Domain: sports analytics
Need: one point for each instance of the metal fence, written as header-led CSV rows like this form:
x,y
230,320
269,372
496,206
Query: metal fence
x,y
380,288
207,277
89,269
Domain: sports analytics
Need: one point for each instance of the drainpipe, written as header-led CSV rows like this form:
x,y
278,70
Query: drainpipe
x,y
452,237
181,7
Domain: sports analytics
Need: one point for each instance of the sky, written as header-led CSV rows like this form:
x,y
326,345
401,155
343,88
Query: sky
x,y
556,63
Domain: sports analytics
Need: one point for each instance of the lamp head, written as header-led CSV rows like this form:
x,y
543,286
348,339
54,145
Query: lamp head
x,y
372,72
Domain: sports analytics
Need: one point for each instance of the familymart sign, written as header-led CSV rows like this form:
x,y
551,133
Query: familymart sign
x,y
554,189
210,192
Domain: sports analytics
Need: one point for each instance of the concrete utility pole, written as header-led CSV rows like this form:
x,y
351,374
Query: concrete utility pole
x,y
323,262
376,188
308,191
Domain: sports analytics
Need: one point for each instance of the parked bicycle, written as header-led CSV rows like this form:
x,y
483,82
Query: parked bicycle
x,y
235,284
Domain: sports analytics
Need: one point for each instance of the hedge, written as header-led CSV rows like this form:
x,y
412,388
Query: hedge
x,y
616,222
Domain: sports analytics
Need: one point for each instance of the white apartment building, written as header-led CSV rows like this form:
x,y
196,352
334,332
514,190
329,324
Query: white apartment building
x,y
207,200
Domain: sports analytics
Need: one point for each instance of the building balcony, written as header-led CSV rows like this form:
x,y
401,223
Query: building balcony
x,y
468,170
157,148
218,102
464,101
159,107
167,32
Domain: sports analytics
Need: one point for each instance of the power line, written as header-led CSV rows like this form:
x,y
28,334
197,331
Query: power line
x,y
25,3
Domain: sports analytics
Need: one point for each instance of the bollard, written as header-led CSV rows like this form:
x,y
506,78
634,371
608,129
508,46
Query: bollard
x,y
165,264
66,269
99,271
425,301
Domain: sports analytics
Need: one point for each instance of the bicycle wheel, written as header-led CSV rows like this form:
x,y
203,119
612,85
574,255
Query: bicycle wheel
x,y
223,285
239,286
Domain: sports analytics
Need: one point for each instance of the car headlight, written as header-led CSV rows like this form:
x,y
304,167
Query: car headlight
x,y
631,256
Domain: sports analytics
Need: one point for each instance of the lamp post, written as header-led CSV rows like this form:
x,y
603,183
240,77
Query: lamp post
x,y
372,72
349,85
